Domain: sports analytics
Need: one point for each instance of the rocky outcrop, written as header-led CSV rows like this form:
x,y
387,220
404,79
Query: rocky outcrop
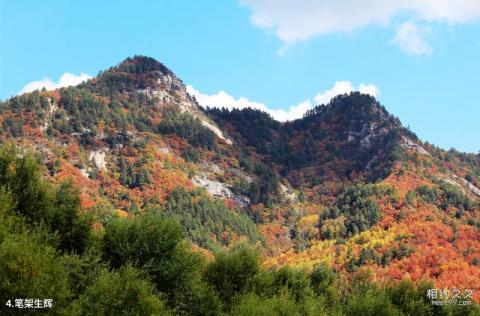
x,y
171,90
287,193
472,188
98,158
220,189
410,144
217,131
462,184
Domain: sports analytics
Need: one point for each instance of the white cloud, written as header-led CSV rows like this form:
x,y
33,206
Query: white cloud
x,y
342,87
370,89
410,38
223,99
300,20
67,79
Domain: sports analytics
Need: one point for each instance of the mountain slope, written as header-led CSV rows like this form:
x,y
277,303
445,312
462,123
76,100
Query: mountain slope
x,y
347,184
353,133
128,139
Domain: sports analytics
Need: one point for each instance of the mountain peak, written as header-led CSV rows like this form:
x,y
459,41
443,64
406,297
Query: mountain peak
x,y
350,103
137,73
139,64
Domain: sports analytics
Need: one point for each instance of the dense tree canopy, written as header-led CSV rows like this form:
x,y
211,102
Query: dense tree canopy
x,y
143,266
104,217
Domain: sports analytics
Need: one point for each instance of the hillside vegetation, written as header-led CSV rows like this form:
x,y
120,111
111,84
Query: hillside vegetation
x,y
144,266
138,200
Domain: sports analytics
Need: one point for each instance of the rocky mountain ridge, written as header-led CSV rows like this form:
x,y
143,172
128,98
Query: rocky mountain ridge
x,y
343,184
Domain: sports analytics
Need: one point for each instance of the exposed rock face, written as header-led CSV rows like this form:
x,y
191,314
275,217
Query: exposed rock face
x,y
217,188
84,172
471,187
462,184
468,185
410,144
52,108
217,131
287,193
164,150
220,189
98,157
212,168
171,90
369,134
454,183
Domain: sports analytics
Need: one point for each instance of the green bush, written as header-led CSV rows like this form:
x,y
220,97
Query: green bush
x,y
31,269
123,292
231,272
156,246
56,209
279,305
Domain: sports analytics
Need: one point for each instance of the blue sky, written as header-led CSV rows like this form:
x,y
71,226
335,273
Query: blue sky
x,y
422,61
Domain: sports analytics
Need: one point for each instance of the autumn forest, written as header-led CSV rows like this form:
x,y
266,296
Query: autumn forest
x,y
122,195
